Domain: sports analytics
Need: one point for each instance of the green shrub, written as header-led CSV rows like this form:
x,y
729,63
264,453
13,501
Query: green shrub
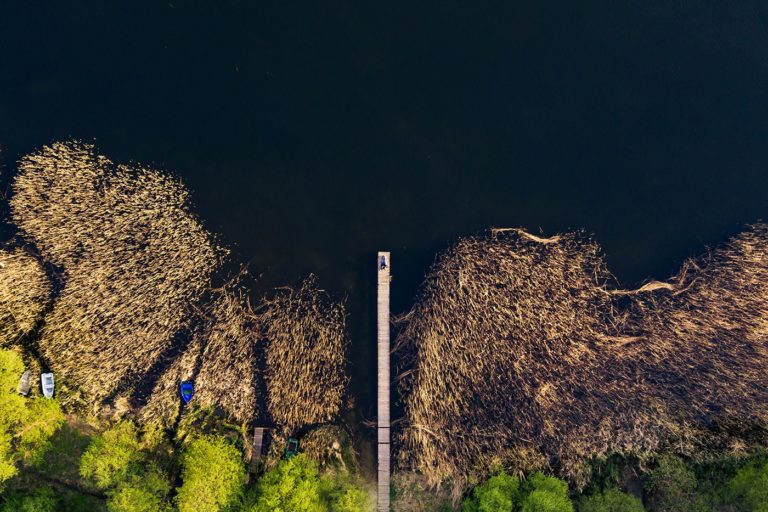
x,y
672,487
543,493
213,475
293,486
43,500
750,487
341,491
612,500
502,492
111,455
353,500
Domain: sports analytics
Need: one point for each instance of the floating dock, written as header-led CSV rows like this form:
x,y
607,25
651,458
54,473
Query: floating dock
x,y
383,268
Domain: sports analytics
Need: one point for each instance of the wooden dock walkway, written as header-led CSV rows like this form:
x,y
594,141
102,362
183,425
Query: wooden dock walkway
x,y
382,338
258,438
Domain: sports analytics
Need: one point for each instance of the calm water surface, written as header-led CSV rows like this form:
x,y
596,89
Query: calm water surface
x,y
315,133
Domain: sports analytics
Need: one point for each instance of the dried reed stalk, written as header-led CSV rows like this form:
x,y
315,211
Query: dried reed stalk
x,y
228,375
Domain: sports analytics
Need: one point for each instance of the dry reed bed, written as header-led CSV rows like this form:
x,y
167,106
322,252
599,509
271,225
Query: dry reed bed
x,y
136,267
133,256
221,360
518,351
302,334
24,293
305,376
228,376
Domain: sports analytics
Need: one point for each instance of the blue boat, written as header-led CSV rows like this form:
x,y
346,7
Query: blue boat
x,y
187,391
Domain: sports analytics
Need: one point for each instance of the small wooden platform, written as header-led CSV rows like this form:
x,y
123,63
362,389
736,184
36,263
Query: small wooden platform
x,y
258,439
382,338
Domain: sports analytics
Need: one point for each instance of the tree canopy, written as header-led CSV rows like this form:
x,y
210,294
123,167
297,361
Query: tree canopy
x,y
26,424
121,463
612,500
503,492
750,487
212,474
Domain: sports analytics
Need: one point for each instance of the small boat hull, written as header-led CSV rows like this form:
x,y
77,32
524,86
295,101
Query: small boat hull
x,y
47,383
187,391
25,383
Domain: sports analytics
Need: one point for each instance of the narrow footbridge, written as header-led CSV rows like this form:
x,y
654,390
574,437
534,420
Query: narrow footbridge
x,y
383,264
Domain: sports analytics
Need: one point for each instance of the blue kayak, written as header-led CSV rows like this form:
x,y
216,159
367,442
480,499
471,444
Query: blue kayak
x,y
187,391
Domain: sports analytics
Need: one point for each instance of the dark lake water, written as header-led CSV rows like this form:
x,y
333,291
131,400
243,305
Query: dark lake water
x,y
315,133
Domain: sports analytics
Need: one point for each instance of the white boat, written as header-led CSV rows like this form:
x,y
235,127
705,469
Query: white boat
x,y
25,383
46,380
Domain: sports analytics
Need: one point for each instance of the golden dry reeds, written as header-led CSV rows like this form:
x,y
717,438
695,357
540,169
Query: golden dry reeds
x,y
24,293
164,403
302,334
133,258
306,380
518,350
136,315
703,343
220,360
228,373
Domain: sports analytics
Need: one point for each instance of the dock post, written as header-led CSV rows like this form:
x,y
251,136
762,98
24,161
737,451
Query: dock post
x,y
383,265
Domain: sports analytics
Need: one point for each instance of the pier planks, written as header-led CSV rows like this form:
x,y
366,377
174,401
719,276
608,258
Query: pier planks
x,y
382,338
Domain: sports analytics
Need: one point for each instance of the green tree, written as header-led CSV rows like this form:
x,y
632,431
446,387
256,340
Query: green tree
x,y
7,466
499,493
505,493
45,418
12,405
293,486
750,487
545,494
120,462
213,475
672,486
112,455
143,491
612,500
26,426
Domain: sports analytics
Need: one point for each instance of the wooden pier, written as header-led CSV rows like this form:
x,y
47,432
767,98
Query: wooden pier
x,y
383,269
256,442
